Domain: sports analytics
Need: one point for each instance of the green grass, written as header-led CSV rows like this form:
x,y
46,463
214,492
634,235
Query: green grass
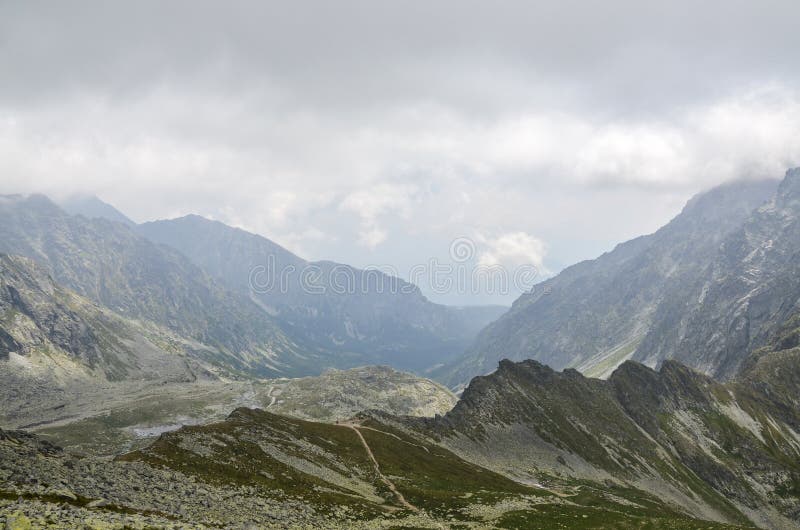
x,y
614,359
244,463
430,477
435,479
550,517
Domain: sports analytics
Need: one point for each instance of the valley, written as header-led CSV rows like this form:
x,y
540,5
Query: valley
x,y
123,416
145,384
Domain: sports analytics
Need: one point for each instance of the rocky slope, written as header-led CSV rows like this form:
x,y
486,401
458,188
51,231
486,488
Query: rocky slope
x,y
110,264
341,394
748,292
92,207
39,317
259,470
637,300
364,315
105,423
727,452
55,344
526,447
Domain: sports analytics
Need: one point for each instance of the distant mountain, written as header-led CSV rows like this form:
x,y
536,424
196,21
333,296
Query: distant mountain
x,y
92,207
55,345
39,317
367,315
632,302
289,329
109,263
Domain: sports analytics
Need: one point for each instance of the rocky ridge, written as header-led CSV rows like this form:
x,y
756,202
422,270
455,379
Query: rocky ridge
x,y
725,451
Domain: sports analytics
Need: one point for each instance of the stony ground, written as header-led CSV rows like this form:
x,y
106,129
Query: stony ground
x,y
341,394
258,470
114,418
41,486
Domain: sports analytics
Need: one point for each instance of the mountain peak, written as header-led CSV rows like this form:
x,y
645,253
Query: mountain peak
x,y
92,207
529,367
35,199
790,185
192,218
727,203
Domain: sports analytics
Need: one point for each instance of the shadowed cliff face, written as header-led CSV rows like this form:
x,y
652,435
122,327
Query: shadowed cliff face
x,y
707,289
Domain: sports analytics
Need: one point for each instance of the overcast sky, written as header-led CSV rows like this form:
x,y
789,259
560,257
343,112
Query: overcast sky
x,y
378,132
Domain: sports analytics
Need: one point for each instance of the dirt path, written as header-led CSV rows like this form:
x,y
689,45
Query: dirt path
x,y
270,396
396,437
402,500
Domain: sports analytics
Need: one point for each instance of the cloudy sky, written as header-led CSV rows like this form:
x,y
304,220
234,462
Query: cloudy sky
x,y
379,132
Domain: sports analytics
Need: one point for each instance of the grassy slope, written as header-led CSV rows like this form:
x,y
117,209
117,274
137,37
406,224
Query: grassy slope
x,y
326,466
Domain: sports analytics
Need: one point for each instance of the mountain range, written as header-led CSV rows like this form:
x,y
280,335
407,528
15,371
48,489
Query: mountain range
x,y
707,289
110,264
365,314
656,386
192,277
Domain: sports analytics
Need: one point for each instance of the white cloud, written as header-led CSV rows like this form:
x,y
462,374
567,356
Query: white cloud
x,y
381,137
512,249
371,236
276,172
372,203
